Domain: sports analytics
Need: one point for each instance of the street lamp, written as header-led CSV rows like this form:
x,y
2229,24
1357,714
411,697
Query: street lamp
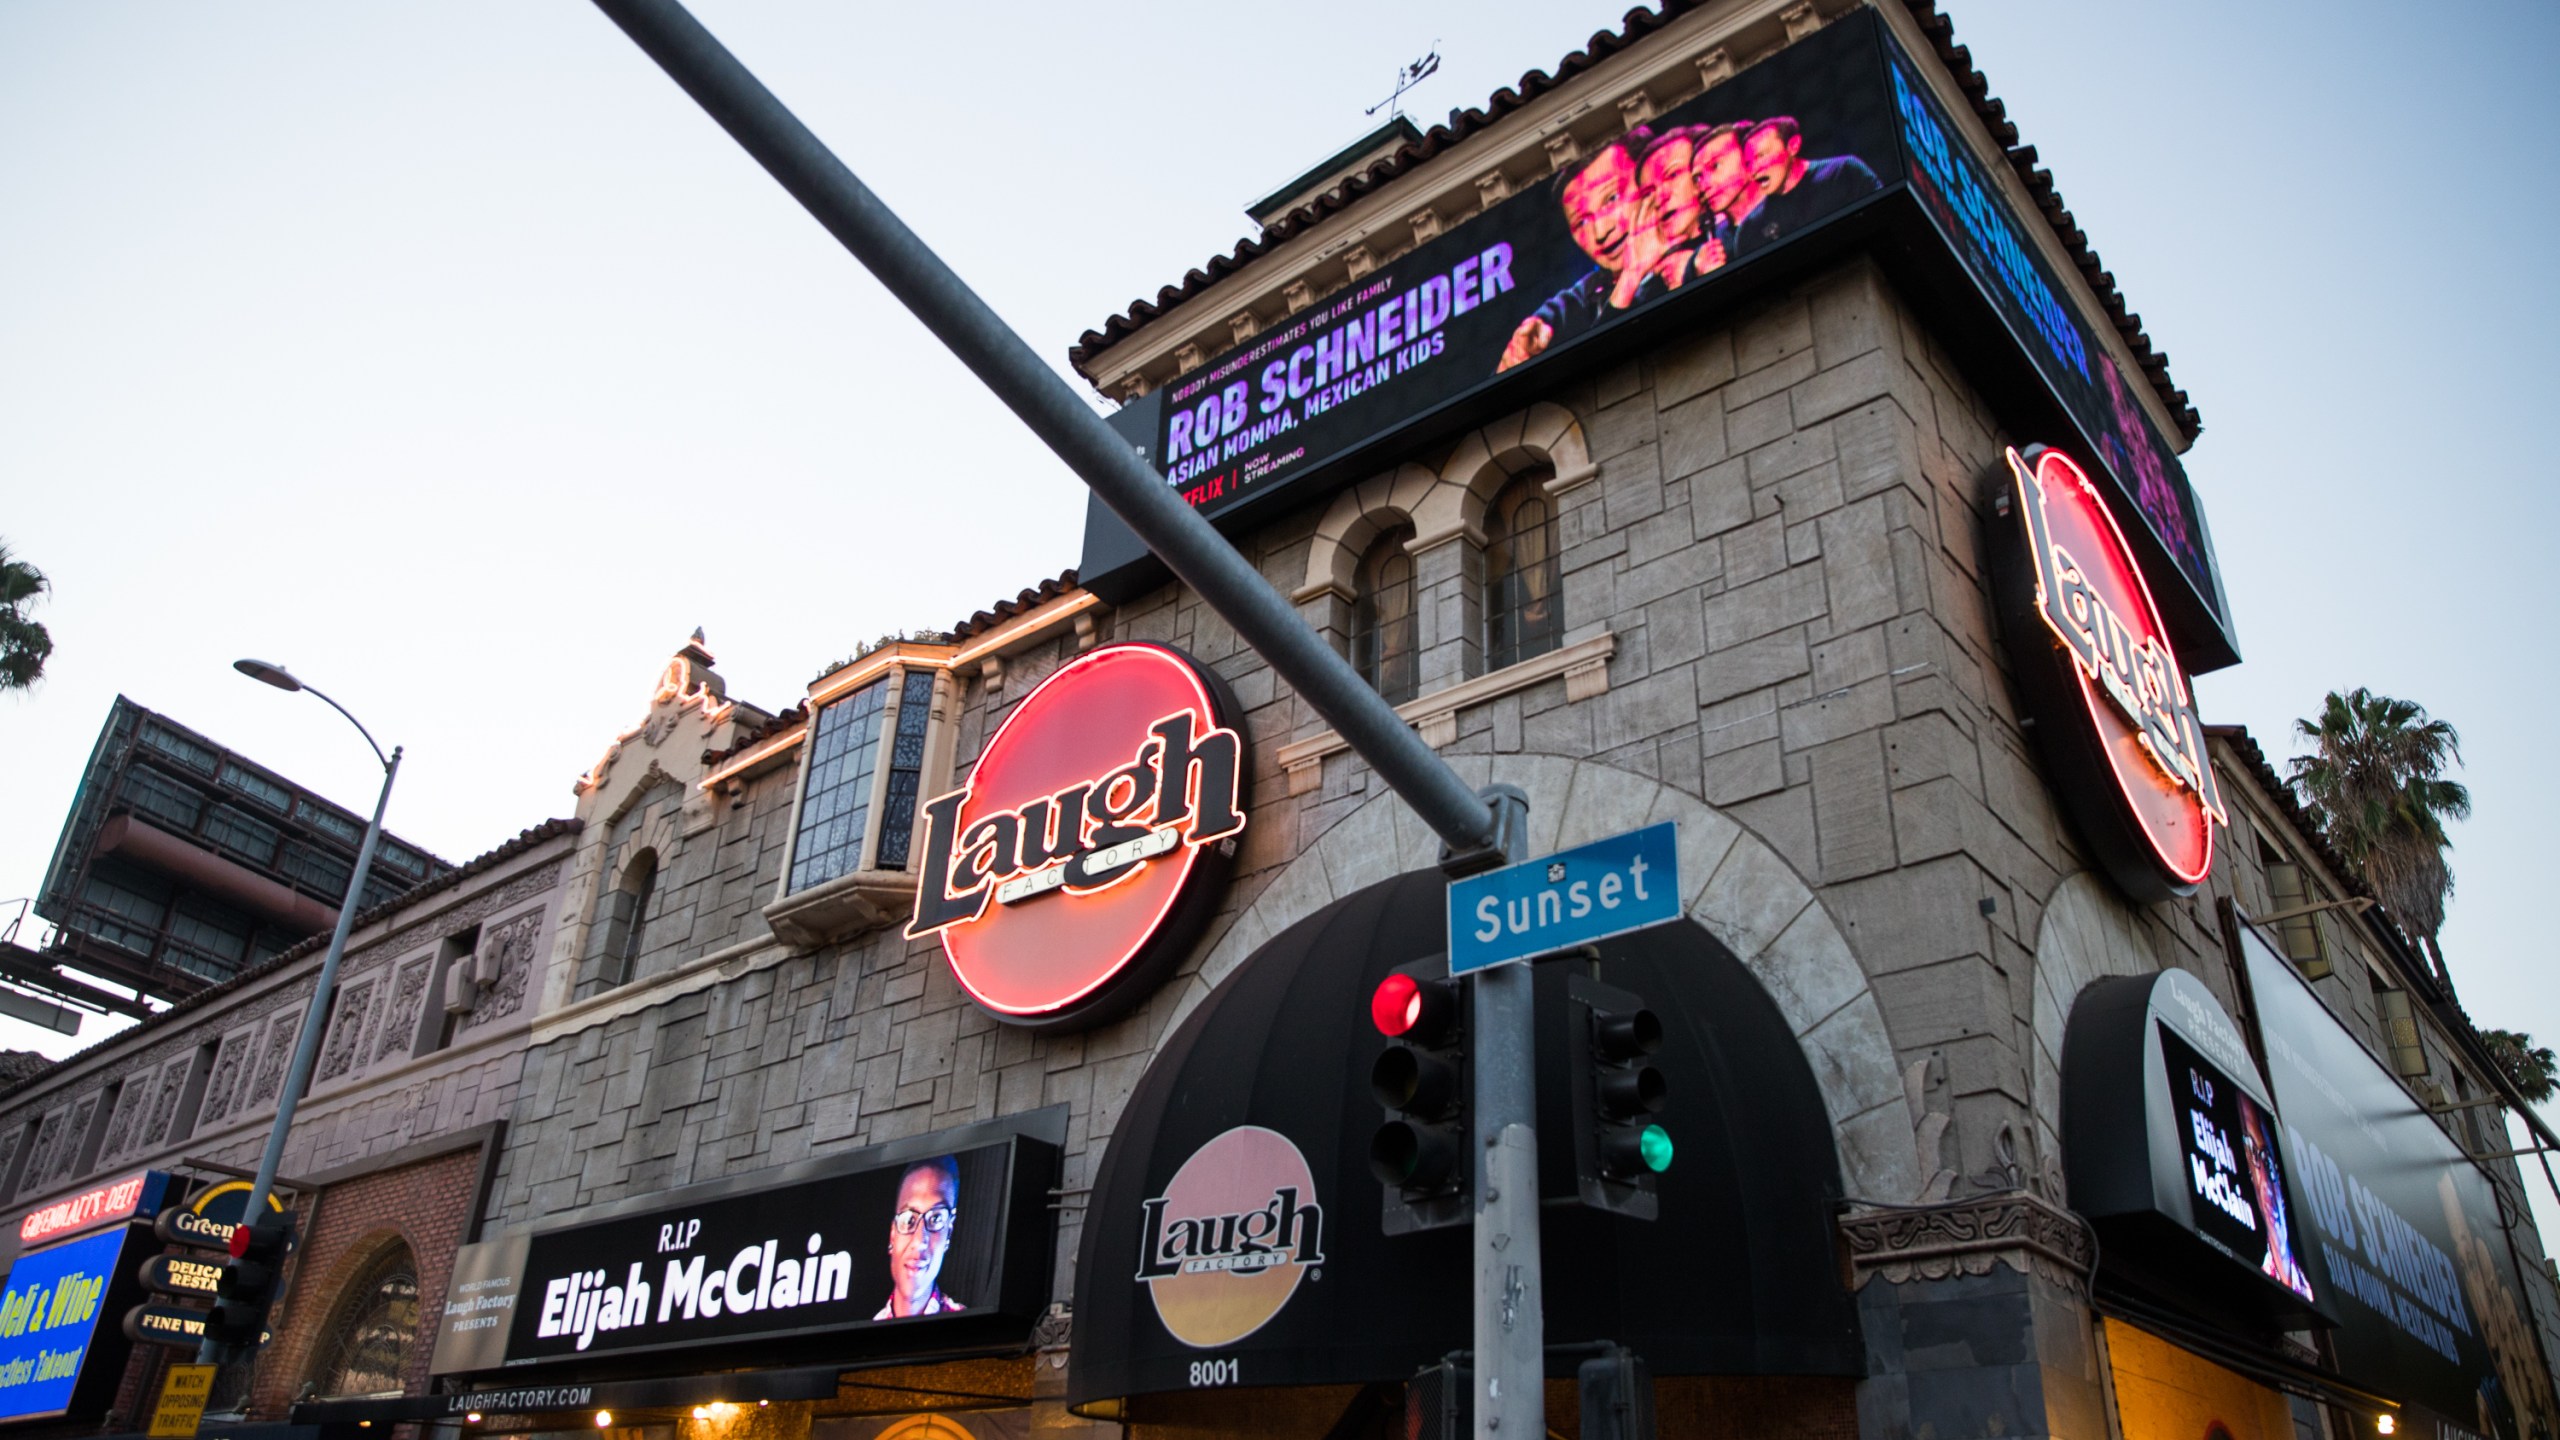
x,y
307,1048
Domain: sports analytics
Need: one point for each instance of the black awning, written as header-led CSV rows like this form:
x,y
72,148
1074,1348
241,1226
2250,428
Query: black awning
x,y
1739,1277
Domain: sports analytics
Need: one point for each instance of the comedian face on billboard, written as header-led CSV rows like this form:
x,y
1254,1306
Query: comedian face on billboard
x,y
1654,209
919,1236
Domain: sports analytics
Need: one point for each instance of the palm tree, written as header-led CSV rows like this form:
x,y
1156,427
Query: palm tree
x,y
2375,778
23,643
2533,1068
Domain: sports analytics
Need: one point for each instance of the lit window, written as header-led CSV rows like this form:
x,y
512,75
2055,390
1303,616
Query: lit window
x,y
1524,613
1385,633
844,744
906,771
846,798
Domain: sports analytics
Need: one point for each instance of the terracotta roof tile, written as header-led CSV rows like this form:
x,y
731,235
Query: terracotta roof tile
x,y
1602,45
1002,610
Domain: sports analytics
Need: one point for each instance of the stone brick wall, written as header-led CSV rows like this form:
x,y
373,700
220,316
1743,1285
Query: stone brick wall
x,y
1783,542
395,1067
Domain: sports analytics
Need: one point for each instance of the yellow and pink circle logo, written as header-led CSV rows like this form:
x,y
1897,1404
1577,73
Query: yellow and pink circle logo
x,y
1233,1233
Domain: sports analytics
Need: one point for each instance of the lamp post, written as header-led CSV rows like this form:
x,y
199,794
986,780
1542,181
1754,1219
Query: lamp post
x,y
307,1047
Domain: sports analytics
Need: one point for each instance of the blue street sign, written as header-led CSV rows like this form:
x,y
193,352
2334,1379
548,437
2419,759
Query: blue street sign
x,y
1573,897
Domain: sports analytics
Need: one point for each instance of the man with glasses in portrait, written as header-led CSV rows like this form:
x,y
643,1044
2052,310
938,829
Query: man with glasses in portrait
x,y
919,1236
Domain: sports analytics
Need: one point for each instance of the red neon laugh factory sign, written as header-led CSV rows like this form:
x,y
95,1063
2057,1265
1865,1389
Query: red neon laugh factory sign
x,y
2133,759
1090,844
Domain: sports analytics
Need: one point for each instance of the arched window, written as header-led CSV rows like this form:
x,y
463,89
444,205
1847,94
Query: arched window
x,y
1524,607
1385,638
628,926
367,1347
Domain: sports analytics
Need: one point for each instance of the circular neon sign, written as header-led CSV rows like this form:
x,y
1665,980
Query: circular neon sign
x,y
1090,843
2116,715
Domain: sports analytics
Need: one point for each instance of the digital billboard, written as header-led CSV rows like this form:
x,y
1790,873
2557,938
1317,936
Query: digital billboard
x,y
1673,205
49,1316
929,1235
1986,235
2401,1228
1659,220
2235,1179
2172,1150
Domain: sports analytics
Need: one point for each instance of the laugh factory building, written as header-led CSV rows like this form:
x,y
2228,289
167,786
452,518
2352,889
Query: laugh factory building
x,y
1728,437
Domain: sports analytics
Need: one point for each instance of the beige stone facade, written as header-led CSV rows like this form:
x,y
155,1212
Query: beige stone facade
x,y
1777,631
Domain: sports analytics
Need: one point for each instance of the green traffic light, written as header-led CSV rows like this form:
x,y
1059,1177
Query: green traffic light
x,y
1655,1146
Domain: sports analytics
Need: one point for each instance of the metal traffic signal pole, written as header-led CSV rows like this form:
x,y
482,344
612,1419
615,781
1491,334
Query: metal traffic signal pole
x,y
1475,833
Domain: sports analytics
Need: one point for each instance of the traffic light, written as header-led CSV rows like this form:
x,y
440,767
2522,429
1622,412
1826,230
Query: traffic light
x,y
1617,1147
1617,1396
248,1286
1420,1153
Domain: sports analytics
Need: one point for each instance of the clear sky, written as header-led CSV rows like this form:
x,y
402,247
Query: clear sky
x,y
451,356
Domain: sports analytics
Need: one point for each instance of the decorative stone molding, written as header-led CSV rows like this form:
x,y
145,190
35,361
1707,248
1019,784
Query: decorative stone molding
x,y
1800,19
1573,479
1242,325
1634,110
1297,295
1967,1237
1584,664
842,908
1715,66
1426,225
1187,358
1357,261
1563,151
1492,188
1588,677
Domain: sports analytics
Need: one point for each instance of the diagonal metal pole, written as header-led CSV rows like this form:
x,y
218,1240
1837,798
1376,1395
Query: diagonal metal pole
x,y
768,130
1509,1326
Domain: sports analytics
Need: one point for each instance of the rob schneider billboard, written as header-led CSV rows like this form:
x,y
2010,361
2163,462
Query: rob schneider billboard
x,y
1662,209
1681,206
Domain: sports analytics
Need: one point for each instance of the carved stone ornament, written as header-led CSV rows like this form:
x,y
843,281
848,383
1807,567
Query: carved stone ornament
x,y
1967,1237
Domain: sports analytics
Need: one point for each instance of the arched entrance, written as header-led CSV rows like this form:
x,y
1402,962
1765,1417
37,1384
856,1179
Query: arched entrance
x,y
1256,1114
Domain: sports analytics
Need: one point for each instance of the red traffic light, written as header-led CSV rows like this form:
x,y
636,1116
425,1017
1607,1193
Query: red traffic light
x,y
239,1240
1397,1005
1404,1008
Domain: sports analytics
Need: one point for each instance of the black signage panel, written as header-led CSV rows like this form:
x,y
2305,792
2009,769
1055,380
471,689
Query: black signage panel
x,y
2401,1227
915,1238
1681,206
1987,236
1680,210
2235,1176
2184,1159
1685,200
